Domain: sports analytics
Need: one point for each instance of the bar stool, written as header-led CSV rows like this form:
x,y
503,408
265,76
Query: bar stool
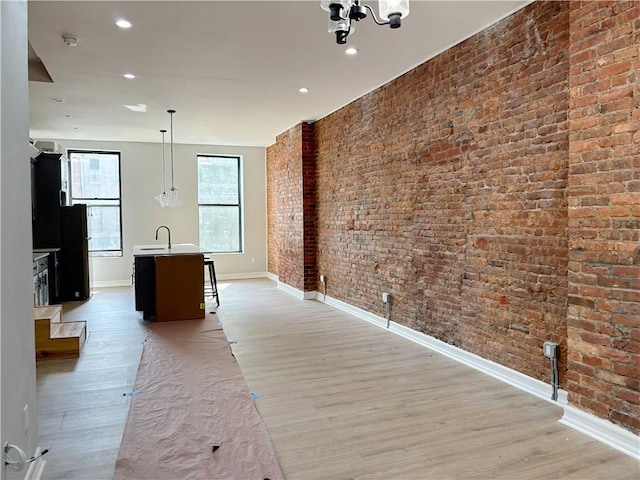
x,y
208,262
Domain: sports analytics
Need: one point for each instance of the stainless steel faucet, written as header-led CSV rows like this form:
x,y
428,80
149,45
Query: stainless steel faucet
x,y
168,232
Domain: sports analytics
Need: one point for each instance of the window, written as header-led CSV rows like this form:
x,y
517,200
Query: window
x,y
95,181
219,206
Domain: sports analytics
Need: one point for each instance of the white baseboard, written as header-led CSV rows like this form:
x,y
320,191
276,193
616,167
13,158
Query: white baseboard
x,y
299,294
111,283
508,375
602,430
273,277
294,291
505,374
240,276
595,427
224,276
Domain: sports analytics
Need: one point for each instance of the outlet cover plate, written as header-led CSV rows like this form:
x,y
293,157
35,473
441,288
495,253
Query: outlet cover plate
x,y
550,349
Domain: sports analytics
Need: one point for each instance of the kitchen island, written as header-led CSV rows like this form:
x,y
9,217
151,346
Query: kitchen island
x,y
169,282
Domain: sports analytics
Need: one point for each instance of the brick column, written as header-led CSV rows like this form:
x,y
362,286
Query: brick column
x,y
291,207
603,317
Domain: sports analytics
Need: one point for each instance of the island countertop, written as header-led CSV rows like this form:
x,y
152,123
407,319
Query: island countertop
x,y
162,249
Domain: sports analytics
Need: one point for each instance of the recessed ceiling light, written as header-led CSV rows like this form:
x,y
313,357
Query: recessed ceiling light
x,y
139,107
67,116
303,90
70,41
351,51
75,128
129,75
57,100
122,23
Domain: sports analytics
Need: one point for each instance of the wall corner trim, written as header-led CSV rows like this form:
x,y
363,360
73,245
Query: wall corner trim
x,y
299,294
602,430
294,291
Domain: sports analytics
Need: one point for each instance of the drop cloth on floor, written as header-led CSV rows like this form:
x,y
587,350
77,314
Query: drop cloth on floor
x,y
190,399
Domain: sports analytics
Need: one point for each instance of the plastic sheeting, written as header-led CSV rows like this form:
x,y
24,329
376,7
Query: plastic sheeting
x,y
192,415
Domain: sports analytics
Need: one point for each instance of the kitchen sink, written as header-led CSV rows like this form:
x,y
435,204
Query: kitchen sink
x,y
153,248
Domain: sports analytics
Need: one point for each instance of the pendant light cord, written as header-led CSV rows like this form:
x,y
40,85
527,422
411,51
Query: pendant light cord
x,y
164,174
171,112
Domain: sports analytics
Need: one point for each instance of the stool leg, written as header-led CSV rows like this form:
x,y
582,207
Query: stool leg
x,y
214,283
211,275
206,294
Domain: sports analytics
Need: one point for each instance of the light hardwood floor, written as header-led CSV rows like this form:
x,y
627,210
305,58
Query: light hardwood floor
x,y
341,398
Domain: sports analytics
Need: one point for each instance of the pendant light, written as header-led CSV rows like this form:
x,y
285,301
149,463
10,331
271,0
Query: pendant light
x,y
173,199
162,198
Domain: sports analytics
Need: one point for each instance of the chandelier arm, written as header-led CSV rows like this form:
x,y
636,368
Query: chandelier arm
x,y
375,18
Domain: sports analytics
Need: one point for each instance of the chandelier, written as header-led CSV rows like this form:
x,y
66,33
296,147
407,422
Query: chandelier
x,y
343,14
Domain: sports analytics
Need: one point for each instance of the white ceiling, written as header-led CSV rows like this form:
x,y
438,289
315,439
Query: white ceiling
x,y
231,69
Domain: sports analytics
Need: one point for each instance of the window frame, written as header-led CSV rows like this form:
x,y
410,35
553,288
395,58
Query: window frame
x,y
239,205
99,253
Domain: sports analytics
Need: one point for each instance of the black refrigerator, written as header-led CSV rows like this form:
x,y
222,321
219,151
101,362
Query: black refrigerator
x,y
74,253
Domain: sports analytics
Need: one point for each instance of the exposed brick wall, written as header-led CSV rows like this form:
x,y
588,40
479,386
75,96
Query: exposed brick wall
x,y
308,149
446,188
285,223
496,199
604,211
291,203
273,231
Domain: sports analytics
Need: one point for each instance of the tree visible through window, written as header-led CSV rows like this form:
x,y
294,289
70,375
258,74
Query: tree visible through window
x,y
95,181
219,204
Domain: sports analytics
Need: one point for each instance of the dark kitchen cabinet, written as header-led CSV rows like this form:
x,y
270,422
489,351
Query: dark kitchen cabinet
x,y
145,286
49,194
169,287
53,269
58,226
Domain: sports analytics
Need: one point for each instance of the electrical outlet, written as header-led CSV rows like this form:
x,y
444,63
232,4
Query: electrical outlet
x,y
323,278
550,349
385,297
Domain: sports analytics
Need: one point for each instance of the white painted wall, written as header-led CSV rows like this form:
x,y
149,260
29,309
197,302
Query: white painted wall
x,y
141,174
16,285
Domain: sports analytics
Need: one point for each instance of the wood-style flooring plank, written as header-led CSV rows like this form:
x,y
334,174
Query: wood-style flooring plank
x,y
82,410
346,399
341,398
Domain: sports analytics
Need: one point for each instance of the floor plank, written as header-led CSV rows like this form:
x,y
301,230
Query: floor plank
x,y
341,398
